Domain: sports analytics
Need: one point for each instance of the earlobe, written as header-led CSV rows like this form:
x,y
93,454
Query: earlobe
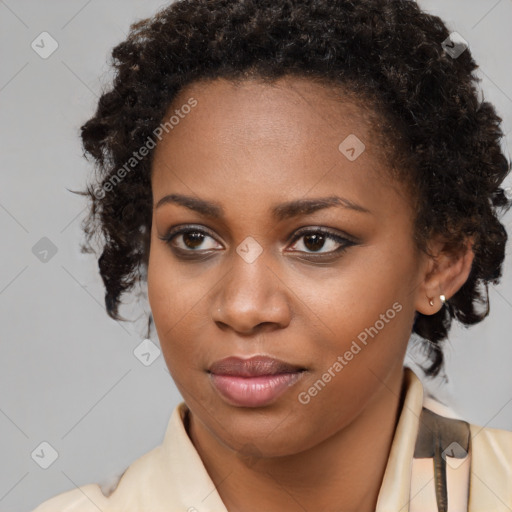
x,y
446,272
442,298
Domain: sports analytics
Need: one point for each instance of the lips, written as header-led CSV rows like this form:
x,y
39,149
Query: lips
x,y
253,367
253,382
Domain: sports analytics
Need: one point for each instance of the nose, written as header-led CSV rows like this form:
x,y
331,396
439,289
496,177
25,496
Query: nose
x,y
251,298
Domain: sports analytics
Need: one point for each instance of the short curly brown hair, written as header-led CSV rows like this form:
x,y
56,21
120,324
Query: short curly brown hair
x,y
446,140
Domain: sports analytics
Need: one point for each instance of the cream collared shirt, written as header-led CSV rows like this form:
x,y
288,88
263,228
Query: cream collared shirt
x,y
172,477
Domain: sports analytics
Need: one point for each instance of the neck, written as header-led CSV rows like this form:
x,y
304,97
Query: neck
x,y
344,472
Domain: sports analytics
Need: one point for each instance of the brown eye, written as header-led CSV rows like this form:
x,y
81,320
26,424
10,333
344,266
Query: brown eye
x,y
314,240
192,240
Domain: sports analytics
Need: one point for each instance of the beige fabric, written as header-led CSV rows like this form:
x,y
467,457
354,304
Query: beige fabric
x,y
491,470
172,478
423,496
394,491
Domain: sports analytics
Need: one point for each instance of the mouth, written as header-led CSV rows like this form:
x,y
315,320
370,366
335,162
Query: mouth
x,y
253,382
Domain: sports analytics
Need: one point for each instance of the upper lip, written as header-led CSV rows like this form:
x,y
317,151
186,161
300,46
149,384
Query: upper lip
x,y
252,367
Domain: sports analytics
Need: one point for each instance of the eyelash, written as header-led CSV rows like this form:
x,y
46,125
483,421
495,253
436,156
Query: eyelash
x,y
190,253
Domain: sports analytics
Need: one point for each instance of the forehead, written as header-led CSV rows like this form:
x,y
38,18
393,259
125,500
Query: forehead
x,y
293,102
252,138
295,109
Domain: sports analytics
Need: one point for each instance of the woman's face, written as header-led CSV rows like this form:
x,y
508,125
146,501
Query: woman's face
x,y
255,276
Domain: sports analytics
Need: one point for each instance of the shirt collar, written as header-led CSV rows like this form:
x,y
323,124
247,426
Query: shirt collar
x,y
394,492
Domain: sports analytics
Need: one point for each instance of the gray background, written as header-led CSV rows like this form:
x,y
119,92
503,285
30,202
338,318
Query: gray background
x,y
68,374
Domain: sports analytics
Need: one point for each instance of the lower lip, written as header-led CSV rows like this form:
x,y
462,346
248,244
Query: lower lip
x,y
253,391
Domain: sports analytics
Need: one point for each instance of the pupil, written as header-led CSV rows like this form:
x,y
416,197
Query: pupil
x,y
197,239
318,241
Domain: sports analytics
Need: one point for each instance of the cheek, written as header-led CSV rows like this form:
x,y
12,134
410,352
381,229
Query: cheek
x,y
171,296
367,293
163,299
367,310
178,304
352,368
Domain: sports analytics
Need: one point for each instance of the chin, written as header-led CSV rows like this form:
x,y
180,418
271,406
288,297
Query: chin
x,y
265,432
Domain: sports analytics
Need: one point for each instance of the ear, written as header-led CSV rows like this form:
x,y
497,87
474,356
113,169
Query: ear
x,y
444,272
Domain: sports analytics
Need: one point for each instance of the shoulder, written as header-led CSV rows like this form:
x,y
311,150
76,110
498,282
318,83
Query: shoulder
x,y
87,498
155,481
110,494
457,461
489,450
491,468
497,443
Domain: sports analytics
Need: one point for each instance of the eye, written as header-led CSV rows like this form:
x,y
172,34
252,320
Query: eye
x,y
187,240
192,239
318,238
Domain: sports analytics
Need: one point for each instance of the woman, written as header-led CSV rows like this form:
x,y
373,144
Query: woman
x,y
332,167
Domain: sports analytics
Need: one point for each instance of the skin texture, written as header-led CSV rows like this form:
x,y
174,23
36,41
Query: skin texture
x,y
250,147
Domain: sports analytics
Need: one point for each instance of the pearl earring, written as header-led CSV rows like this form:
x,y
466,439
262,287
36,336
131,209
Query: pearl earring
x,y
442,298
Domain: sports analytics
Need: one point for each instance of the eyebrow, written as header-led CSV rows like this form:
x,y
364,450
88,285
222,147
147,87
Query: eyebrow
x,y
280,212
